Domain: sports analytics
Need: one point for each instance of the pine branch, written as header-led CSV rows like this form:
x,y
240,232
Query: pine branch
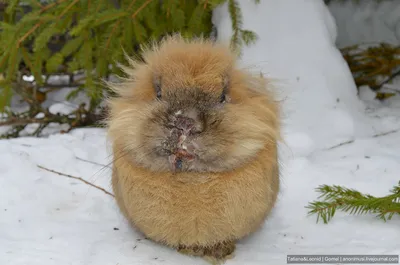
x,y
26,35
116,26
67,8
116,4
75,36
236,20
45,8
239,34
3,60
37,3
352,201
140,8
112,33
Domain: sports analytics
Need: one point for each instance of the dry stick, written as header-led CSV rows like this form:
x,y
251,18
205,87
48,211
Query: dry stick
x,y
78,178
341,144
15,121
91,162
393,76
385,133
373,136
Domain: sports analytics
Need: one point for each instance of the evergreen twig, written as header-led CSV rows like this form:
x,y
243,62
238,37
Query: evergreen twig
x,y
37,25
140,8
116,4
349,200
45,8
67,8
90,37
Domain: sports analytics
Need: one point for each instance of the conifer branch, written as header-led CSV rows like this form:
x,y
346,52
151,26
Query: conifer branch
x,y
116,4
98,6
111,33
141,7
78,44
26,35
68,8
116,26
24,53
52,5
352,201
3,60
37,3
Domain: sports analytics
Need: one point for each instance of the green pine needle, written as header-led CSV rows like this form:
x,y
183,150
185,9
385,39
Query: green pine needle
x,y
90,36
354,202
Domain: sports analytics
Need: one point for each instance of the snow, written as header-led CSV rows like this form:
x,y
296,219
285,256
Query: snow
x,y
46,218
301,56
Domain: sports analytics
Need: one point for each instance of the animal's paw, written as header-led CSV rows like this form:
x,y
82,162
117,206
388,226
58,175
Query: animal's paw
x,y
215,255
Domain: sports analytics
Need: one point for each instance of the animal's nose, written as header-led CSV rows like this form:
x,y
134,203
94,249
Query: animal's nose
x,y
188,124
184,123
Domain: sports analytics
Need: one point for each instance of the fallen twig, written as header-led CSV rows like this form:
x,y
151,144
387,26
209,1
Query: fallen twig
x,y
78,178
390,78
385,133
91,162
341,144
373,136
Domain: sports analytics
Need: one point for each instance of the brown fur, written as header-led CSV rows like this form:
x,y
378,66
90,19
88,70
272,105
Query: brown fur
x,y
229,189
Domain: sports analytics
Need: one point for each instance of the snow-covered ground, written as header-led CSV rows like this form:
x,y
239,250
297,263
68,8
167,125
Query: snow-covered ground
x,y
46,218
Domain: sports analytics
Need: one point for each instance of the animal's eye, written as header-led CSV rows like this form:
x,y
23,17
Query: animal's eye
x,y
223,97
158,92
157,87
225,84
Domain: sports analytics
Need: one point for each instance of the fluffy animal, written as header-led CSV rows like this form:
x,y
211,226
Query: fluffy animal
x,y
195,147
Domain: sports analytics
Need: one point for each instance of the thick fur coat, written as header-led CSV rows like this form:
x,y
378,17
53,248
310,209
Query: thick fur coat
x,y
228,180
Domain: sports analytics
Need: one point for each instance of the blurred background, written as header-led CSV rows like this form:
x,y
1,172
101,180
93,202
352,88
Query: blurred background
x,y
54,54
